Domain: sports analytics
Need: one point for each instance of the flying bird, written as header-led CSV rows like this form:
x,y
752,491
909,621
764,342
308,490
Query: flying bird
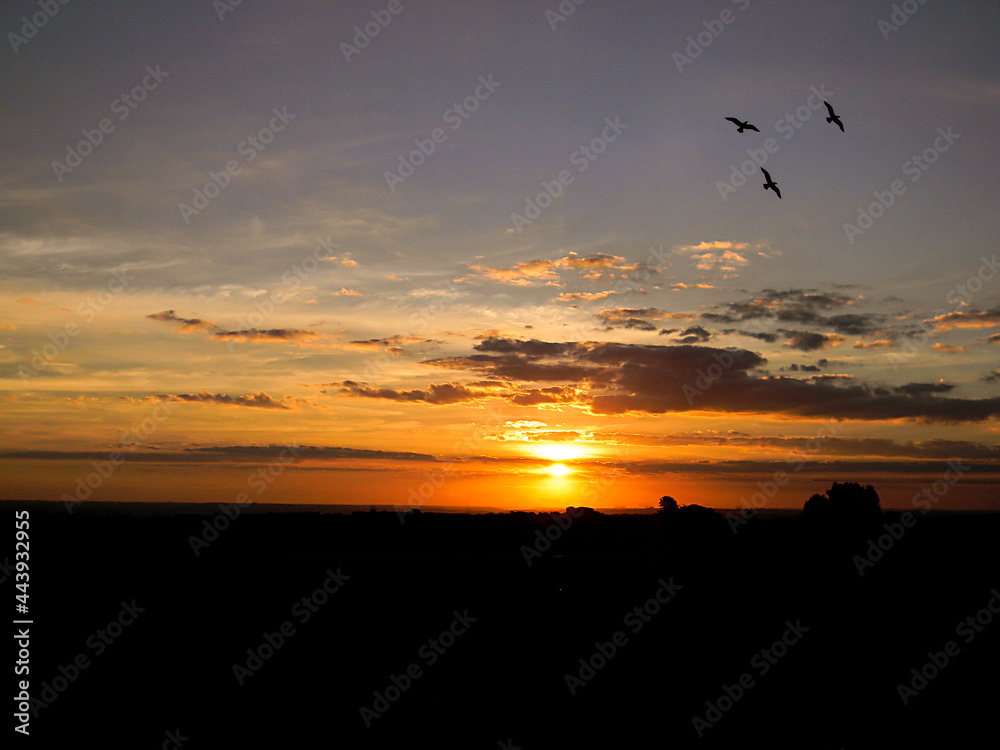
x,y
833,117
770,183
740,126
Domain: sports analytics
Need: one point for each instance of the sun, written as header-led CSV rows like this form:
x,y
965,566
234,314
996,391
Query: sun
x,y
559,470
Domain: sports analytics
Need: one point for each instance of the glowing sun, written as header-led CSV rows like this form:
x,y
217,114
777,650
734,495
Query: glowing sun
x,y
559,470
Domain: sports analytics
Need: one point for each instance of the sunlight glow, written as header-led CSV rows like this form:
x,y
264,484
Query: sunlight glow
x,y
559,451
559,470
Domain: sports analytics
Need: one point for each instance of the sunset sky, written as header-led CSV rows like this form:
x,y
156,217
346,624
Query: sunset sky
x,y
567,297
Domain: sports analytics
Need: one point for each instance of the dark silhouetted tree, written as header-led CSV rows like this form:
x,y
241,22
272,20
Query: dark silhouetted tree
x,y
845,501
667,504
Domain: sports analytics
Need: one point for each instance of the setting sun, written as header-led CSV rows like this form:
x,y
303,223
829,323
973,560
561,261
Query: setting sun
x,y
559,470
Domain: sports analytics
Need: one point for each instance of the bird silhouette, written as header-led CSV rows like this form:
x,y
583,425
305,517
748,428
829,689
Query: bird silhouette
x,y
833,117
741,126
770,183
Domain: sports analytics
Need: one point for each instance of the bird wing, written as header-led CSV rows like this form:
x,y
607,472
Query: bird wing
x,y
777,191
733,119
752,127
830,109
767,175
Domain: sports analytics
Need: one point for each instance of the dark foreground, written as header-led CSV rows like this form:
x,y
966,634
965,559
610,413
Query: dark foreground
x,y
769,635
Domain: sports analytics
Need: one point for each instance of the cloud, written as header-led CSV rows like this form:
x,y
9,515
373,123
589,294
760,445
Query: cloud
x,y
443,393
728,260
637,318
873,344
586,296
946,322
550,395
347,293
296,335
270,334
713,245
187,324
917,389
614,379
761,335
994,339
807,341
543,272
694,335
826,445
255,400
948,348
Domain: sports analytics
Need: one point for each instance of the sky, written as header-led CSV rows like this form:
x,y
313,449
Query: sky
x,y
495,254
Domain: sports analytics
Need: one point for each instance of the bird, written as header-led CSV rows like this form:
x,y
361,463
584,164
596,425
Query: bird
x,y
833,117
770,183
740,126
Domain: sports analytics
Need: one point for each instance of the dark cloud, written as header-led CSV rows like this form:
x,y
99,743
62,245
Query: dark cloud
x,y
187,324
801,307
824,445
533,348
694,335
552,395
246,334
443,393
637,318
807,341
255,400
268,334
613,379
919,389
770,338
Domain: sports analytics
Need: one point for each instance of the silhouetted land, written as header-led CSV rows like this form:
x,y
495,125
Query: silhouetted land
x,y
505,676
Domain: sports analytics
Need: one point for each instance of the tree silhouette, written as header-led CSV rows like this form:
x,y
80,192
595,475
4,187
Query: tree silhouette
x,y
844,500
667,504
